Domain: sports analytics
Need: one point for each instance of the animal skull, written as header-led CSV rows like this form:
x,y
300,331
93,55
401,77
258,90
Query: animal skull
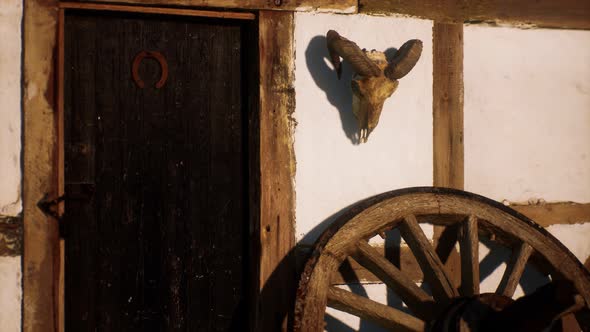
x,y
374,79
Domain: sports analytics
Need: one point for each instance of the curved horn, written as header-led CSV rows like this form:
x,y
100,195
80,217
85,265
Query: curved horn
x,y
404,60
339,46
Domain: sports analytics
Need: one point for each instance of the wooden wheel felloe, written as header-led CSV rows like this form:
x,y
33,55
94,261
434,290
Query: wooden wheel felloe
x,y
450,307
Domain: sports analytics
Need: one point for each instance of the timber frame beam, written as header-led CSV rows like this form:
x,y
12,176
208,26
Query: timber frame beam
x,y
566,14
447,115
333,6
277,169
41,240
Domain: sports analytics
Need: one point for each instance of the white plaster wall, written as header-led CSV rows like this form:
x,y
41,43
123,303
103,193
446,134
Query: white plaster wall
x,y
527,113
10,149
10,115
10,294
333,171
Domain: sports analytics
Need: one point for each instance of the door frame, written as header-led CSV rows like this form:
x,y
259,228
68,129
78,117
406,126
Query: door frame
x,y
270,99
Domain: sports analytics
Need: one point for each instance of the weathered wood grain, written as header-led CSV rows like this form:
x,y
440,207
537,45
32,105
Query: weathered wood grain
x,y
447,89
277,168
41,239
448,147
514,269
154,10
365,308
353,272
556,213
432,267
336,6
570,14
413,296
469,243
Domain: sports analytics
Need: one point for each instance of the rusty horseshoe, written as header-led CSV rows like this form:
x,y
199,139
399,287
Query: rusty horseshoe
x,y
156,56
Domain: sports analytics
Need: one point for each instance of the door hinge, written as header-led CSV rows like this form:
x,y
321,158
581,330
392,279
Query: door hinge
x,y
49,207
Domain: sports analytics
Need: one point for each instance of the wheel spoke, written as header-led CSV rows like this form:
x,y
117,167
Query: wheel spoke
x,y
514,270
445,239
429,262
469,243
413,296
569,323
381,314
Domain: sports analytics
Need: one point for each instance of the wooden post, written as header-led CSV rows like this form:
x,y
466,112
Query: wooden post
x,y
448,129
448,105
277,167
41,238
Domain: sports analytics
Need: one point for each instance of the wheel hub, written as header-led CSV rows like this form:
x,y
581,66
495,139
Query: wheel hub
x,y
470,313
493,312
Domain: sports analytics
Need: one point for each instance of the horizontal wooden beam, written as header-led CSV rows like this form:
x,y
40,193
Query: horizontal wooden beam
x,y
334,6
570,14
556,213
11,236
157,10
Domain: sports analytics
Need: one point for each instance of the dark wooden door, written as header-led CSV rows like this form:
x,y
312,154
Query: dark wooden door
x,y
156,208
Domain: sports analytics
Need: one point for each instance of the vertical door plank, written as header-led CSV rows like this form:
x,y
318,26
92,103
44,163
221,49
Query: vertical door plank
x,y
60,165
79,171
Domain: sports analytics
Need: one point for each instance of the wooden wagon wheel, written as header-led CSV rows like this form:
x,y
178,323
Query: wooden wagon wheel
x,y
451,307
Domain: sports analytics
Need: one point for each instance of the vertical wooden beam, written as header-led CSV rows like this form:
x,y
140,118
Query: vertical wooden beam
x,y
41,242
448,126
448,105
277,167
